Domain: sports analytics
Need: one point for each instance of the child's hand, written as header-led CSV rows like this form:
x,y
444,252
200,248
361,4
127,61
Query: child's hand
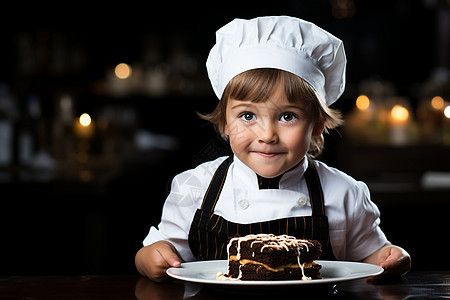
x,y
153,260
395,261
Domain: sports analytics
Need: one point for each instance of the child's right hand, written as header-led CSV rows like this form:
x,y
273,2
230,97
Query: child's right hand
x,y
153,260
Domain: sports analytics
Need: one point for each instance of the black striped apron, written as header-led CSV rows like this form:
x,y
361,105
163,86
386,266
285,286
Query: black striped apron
x,y
209,233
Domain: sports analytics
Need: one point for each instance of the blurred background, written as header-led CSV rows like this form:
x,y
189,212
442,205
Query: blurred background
x,y
98,112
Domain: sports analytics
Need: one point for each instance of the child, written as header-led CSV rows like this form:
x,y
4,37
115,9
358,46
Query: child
x,y
276,78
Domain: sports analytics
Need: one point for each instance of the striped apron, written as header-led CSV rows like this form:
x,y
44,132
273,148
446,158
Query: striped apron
x,y
209,233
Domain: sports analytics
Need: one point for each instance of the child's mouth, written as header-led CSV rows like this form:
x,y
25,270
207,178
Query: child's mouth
x,y
267,155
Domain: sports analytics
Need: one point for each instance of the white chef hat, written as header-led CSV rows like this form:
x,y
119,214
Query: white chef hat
x,y
284,43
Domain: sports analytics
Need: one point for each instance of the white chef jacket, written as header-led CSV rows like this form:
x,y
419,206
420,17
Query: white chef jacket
x,y
352,217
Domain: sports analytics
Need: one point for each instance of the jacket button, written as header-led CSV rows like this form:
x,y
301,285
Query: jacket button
x,y
243,204
302,200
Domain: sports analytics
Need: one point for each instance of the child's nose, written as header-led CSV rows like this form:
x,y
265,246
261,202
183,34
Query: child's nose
x,y
268,134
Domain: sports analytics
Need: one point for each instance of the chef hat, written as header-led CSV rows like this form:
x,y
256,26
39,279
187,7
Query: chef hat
x,y
285,43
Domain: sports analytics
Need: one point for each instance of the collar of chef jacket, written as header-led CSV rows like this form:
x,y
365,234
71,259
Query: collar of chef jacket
x,y
241,200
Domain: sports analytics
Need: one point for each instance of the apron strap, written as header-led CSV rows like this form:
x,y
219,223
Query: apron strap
x,y
314,190
216,185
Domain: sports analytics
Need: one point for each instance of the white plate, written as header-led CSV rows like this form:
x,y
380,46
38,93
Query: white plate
x,y
332,272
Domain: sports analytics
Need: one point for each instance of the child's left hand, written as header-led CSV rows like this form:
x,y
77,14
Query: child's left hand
x,y
395,261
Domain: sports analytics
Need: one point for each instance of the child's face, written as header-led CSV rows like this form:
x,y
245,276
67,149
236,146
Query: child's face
x,y
270,137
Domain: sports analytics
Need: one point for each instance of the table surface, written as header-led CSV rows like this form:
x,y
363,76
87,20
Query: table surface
x,y
421,285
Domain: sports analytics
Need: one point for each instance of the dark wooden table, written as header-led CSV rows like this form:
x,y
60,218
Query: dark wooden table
x,y
416,285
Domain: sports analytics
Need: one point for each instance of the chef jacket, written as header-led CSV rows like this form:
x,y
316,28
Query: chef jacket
x,y
352,217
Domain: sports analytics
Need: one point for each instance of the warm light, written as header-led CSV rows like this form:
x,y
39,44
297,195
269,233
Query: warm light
x,y
362,102
437,103
399,113
122,71
447,112
85,120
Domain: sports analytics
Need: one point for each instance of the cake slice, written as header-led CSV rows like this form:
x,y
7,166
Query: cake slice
x,y
270,257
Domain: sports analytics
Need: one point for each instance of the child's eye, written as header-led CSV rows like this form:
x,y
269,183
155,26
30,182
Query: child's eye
x,y
288,117
248,117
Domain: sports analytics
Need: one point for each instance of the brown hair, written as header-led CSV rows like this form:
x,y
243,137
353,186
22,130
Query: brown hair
x,y
257,85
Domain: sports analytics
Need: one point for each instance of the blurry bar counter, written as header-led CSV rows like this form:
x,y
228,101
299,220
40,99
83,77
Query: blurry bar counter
x,y
397,170
80,218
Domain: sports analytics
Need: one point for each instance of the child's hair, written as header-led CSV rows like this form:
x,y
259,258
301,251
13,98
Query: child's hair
x,y
257,85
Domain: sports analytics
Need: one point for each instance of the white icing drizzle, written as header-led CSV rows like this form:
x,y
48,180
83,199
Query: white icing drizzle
x,y
301,265
270,241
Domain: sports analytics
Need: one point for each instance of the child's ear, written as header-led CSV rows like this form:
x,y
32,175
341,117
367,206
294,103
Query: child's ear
x,y
225,130
318,129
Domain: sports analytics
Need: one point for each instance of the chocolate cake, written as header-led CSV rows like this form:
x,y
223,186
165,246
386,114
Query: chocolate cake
x,y
270,257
